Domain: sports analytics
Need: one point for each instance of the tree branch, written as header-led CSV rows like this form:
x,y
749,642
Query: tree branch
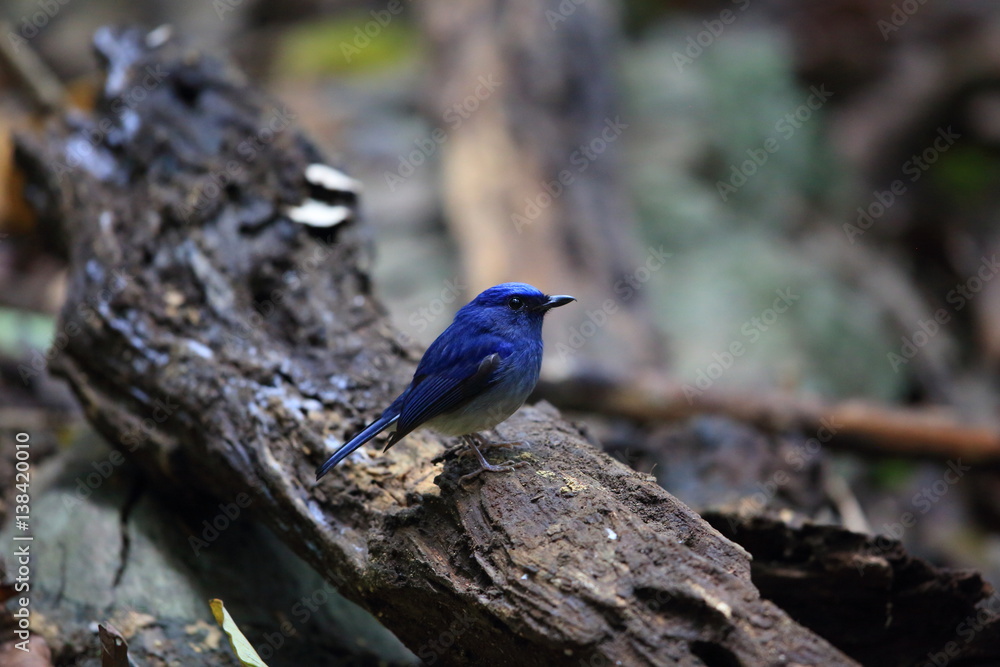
x,y
856,425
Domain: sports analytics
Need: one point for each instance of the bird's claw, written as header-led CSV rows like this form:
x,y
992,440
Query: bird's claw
x,y
484,465
505,444
468,451
464,479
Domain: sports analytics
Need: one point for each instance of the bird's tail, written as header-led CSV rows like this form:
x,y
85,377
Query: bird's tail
x,y
357,441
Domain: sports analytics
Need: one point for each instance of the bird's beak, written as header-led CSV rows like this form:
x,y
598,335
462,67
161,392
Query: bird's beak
x,y
555,301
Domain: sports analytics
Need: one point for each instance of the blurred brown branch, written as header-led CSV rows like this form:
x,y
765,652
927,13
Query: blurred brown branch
x,y
856,425
42,86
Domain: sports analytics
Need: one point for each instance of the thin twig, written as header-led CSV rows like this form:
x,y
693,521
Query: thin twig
x,y
43,87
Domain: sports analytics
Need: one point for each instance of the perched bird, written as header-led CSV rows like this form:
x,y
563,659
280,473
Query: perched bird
x,y
476,374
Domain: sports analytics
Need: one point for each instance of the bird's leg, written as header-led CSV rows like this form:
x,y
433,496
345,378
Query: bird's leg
x,y
485,466
488,444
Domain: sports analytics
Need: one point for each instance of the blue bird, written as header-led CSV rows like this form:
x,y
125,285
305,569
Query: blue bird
x,y
476,374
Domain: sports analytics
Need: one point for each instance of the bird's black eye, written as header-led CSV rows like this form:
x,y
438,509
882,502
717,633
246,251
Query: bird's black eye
x,y
515,303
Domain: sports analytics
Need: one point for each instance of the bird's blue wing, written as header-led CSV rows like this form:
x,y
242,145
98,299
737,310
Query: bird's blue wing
x,y
449,375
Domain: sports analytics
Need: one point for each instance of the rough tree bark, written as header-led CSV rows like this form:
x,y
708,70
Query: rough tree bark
x,y
867,596
222,346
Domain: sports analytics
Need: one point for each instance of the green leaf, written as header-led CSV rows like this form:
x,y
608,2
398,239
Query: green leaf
x,y
21,328
353,44
243,649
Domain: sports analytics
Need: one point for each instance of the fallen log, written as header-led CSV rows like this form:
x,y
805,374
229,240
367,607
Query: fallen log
x,y
213,338
868,596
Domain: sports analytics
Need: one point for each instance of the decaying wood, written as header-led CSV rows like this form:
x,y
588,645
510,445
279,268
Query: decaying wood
x,y
857,425
867,596
223,346
114,648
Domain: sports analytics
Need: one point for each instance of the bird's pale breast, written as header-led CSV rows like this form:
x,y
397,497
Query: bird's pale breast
x,y
492,406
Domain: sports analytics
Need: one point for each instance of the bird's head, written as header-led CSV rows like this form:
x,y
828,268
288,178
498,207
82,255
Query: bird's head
x,y
513,304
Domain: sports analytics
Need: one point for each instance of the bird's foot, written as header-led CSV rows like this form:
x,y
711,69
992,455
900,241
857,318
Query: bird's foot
x,y
486,466
477,439
484,444
507,443
489,467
